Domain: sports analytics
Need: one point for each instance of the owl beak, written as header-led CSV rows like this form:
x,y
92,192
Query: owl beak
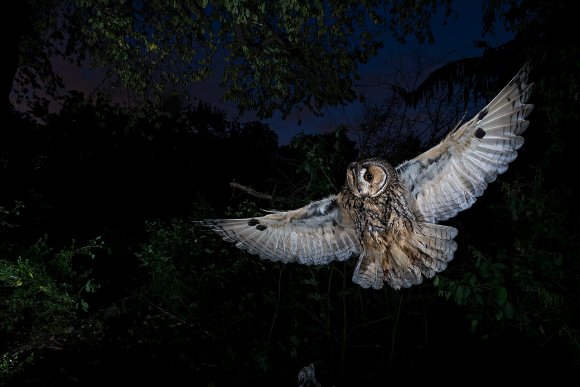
x,y
361,193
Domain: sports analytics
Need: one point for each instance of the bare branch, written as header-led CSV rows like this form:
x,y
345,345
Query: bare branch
x,y
251,191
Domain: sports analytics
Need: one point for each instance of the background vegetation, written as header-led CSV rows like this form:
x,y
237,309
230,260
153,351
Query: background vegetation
x,y
103,275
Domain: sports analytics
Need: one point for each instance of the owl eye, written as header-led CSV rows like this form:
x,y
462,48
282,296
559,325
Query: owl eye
x,y
368,176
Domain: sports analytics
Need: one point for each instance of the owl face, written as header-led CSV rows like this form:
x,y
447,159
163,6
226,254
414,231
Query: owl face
x,y
367,178
389,216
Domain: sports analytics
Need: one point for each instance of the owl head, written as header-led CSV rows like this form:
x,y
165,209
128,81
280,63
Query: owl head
x,y
369,178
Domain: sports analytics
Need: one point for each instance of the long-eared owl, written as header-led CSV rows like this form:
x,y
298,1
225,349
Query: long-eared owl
x,y
388,216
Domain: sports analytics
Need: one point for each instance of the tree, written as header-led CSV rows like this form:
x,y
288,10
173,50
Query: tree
x,y
40,33
276,56
526,278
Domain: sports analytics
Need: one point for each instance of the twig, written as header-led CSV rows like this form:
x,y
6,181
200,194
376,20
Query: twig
x,y
251,191
182,321
273,199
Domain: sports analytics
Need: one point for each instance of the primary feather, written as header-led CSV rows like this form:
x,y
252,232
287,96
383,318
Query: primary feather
x,y
449,177
314,234
388,216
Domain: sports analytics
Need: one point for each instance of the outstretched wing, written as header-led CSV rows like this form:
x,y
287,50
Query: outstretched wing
x,y
315,234
450,176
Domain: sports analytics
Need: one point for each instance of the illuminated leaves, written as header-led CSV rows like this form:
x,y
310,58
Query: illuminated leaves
x,y
274,56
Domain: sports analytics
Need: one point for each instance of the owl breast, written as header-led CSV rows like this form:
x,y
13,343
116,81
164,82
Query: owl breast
x,y
385,213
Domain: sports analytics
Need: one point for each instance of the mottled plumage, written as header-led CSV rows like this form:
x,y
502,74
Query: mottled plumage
x,y
388,216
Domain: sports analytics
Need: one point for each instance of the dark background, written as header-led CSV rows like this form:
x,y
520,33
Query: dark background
x,y
104,277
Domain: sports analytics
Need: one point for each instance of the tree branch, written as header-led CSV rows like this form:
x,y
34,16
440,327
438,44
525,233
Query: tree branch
x,y
251,191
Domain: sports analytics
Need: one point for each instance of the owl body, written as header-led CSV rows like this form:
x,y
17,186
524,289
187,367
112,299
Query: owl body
x,y
397,248
389,216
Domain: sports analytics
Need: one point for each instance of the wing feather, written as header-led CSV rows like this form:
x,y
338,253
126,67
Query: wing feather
x,y
315,234
449,177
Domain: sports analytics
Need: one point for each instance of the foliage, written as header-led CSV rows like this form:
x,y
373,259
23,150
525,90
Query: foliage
x,y
527,281
324,159
5,216
527,278
275,56
44,301
42,34
260,320
34,289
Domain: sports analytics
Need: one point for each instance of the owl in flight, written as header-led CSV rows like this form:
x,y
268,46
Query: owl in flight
x,y
388,216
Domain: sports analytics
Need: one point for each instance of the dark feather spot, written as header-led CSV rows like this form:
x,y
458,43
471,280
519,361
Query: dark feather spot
x,y
480,133
330,207
433,160
261,227
253,222
482,114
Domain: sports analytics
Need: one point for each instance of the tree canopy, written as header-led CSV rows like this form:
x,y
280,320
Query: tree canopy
x,y
272,56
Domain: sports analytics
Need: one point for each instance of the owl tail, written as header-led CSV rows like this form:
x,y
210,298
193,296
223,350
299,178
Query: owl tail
x,y
425,251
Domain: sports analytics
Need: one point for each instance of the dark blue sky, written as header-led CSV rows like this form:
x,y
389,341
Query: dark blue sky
x,y
453,40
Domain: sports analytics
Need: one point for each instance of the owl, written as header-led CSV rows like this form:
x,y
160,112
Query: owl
x,y
389,216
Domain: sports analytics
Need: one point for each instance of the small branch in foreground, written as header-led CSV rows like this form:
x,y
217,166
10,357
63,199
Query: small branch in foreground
x,y
274,200
251,191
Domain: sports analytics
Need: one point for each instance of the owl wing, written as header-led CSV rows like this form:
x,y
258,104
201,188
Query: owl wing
x,y
315,234
449,177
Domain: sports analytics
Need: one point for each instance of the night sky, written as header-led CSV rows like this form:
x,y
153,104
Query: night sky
x,y
453,40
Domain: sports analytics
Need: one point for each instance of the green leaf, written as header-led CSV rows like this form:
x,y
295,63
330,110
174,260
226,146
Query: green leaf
x,y
501,295
473,325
